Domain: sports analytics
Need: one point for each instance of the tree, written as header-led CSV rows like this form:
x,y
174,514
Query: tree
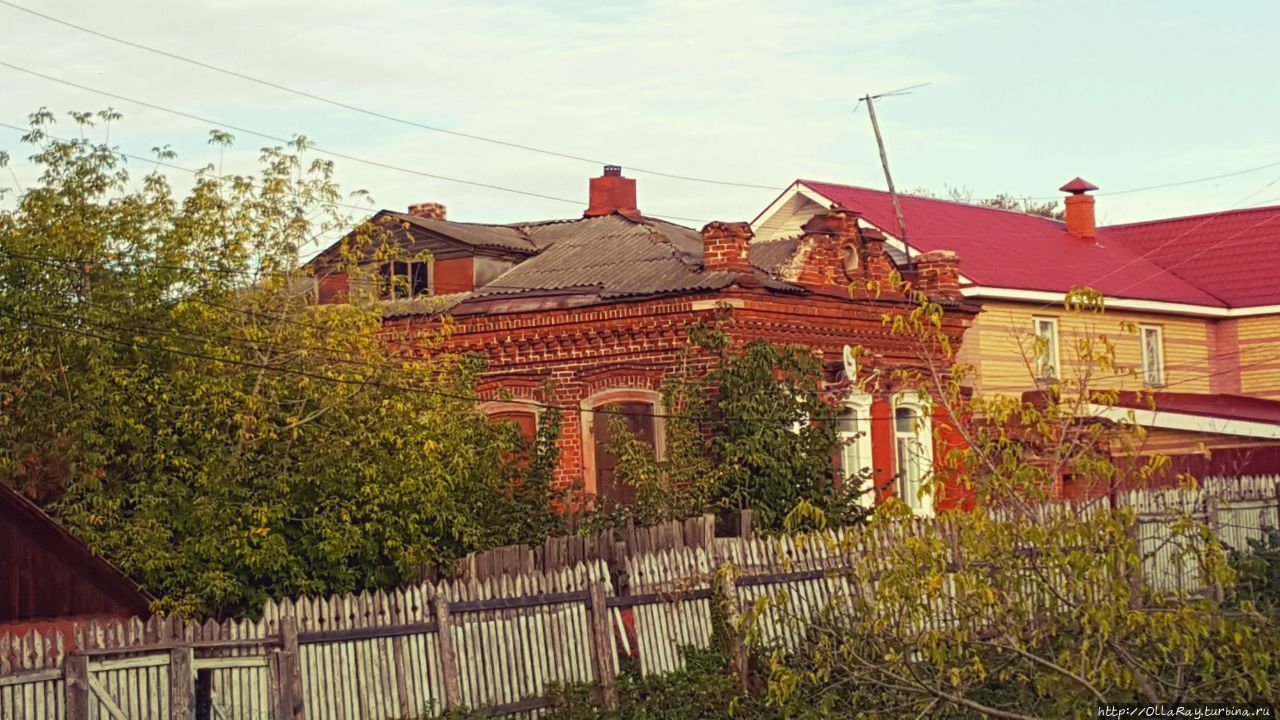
x,y
171,390
1025,606
748,428
1003,201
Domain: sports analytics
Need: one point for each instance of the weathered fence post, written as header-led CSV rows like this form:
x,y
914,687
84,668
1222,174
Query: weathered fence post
x,y
1277,498
1133,574
728,597
448,658
182,682
289,671
745,523
601,646
1215,529
75,669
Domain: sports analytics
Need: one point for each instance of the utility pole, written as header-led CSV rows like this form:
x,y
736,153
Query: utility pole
x,y
884,162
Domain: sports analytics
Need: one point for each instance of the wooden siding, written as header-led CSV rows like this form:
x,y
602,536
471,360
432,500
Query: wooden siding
x,y
1259,348
992,346
45,572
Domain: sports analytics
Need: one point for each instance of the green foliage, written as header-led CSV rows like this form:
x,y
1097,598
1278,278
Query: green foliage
x,y
1258,573
746,427
1044,620
170,388
1048,614
1004,201
703,689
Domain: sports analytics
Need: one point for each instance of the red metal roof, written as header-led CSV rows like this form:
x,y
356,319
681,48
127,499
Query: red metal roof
x,y
1221,405
1232,255
1008,249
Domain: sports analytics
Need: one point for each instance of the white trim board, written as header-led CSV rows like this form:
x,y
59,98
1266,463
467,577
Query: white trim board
x,y
1154,306
972,289
1185,421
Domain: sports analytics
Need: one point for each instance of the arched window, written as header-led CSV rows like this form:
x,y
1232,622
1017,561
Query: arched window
x,y
854,431
522,415
913,451
638,411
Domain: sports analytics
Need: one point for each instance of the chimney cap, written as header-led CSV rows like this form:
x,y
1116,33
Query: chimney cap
x,y
612,169
1079,186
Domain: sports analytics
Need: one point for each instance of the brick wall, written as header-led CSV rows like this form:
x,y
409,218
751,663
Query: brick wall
x,y
632,345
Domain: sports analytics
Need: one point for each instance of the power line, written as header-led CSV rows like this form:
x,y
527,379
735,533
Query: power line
x,y
1161,186
1198,253
374,113
309,145
173,166
606,410
1161,269
438,393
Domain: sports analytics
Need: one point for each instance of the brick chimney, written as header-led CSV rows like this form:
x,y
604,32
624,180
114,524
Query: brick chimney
x,y
611,193
726,246
1080,218
430,211
938,273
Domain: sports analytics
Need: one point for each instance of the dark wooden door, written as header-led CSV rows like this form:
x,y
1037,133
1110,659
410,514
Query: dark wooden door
x,y
639,420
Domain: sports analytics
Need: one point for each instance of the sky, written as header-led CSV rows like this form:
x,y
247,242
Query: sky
x,y
1021,96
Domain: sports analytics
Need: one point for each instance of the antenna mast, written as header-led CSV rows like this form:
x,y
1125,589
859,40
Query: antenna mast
x,y
884,161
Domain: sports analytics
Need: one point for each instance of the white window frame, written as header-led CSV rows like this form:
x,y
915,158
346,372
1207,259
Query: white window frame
x,y
430,262
921,435
857,443
1153,369
1047,355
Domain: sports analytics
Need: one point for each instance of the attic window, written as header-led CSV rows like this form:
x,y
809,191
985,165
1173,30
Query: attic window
x,y
405,279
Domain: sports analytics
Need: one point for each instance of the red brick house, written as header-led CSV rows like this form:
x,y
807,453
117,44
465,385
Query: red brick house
x,y
600,306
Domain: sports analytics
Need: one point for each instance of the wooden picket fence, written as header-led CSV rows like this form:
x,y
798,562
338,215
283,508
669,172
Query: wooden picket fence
x,y
499,643
612,547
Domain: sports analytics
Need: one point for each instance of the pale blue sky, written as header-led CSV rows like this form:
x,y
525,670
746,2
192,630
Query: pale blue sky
x,y
1023,96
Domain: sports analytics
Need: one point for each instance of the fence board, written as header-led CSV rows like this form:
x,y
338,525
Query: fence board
x,y
521,618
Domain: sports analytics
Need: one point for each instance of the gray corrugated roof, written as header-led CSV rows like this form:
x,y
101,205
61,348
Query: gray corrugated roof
x,y
612,254
591,259
422,306
770,254
504,237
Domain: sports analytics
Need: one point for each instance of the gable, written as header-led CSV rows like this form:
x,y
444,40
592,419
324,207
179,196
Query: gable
x,y
49,573
1000,248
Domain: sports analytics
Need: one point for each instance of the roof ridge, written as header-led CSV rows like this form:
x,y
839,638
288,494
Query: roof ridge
x,y
453,222
1183,218
961,203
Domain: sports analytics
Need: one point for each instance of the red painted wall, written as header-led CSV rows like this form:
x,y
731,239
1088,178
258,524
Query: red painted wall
x,y
332,287
882,449
948,440
454,275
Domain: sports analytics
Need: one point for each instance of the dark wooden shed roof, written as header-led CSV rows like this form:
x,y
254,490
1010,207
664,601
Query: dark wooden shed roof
x,y
46,572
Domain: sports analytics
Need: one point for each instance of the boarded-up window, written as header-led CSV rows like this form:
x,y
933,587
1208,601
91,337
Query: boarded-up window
x,y
640,422
526,421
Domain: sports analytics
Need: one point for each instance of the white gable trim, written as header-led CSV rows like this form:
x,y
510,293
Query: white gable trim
x,y
972,289
799,188
1185,421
